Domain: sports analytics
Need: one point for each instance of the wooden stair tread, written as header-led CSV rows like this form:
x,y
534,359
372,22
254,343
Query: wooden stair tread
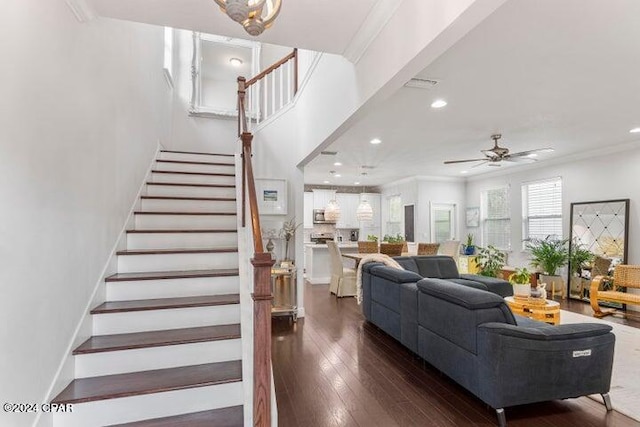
x,y
196,152
232,416
177,230
190,162
104,343
160,275
147,382
165,303
194,173
182,213
176,251
187,184
214,199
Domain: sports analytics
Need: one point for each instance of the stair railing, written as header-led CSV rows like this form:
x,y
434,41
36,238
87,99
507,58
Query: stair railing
x,y
262,103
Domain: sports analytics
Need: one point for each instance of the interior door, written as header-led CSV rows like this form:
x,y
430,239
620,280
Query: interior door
x,y
409,223
443,222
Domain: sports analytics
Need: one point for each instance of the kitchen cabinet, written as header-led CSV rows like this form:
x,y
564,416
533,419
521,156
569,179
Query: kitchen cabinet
x,y
348,205
321,198
308,209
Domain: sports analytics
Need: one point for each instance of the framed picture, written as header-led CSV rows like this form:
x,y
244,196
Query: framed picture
x,y
272,196
473,217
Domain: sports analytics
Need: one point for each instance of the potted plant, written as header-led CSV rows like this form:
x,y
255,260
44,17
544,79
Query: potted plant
x,y
469,248
392,245
549,255
521,283
490,261
287,231
372,238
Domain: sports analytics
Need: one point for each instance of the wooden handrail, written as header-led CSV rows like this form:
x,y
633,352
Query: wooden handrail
x,y
251,190
293,55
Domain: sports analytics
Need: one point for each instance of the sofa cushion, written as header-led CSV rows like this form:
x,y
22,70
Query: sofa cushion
x,y
469,283
461,295
552,333
395,275
408,263
492,284
438,266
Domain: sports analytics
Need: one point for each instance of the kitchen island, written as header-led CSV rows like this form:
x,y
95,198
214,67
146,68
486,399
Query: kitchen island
x,y
317,263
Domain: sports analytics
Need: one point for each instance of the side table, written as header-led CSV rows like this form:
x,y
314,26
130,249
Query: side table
x,y
548,312
284,291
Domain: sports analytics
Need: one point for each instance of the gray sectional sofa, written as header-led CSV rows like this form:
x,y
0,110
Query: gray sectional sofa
x,y
471,335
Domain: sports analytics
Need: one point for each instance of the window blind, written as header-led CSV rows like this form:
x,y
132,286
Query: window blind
x,y
496,223
542,207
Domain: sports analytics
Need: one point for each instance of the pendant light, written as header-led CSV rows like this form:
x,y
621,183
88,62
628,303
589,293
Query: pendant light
x,y
332,211
364,211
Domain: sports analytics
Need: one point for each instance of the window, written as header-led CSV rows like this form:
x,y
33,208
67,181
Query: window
x,y
542,209
443,224
394,223
168,55
496,218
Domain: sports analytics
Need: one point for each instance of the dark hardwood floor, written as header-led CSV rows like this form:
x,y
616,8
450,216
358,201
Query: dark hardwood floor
x,y
334,369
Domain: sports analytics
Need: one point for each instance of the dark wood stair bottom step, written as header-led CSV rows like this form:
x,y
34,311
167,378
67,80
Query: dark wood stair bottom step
x,y
147,382
189,162
137,340
184,213
187,184
193,173
176,251
224,417
178,230
166,303
199,199
162,275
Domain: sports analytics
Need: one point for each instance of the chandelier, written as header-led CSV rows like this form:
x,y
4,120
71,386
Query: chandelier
x,y
332,211
364,211
254,15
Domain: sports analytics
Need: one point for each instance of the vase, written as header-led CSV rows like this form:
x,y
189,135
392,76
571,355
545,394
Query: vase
x,y
522,291
270,247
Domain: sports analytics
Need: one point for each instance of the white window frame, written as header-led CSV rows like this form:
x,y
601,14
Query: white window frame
x,y
167,67
450,207
391,221
526,215
197,108
484,220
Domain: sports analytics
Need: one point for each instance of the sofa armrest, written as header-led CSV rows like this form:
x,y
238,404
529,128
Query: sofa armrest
x,y
519,365
394,274
497,286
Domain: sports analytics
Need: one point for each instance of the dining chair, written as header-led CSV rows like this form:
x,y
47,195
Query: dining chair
x,y
367,247
428,248
450,248
343,279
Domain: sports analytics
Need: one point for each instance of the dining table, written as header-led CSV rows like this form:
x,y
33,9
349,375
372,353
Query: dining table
x,y
357,256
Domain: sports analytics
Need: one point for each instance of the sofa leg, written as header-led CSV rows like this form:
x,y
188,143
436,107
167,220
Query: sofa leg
x,y
502,420
607,401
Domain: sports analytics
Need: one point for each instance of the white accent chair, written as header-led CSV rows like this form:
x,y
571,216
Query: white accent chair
x,y
450,248
343,280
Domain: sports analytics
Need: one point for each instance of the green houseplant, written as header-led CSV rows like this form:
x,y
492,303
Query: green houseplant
x,y
521,282
490,261
579,257
372,238
469,248
398,238
549,255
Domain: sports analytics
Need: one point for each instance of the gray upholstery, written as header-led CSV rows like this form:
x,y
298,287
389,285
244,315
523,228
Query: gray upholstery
x,y
472,336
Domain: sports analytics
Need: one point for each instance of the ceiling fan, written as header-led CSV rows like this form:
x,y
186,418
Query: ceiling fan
x,y
497,154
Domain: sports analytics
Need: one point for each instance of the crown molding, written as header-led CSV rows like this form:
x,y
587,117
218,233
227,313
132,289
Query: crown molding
x,y
81,10
375,21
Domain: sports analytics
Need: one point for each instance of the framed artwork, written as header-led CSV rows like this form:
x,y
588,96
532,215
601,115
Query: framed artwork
x,y
272,196
473,217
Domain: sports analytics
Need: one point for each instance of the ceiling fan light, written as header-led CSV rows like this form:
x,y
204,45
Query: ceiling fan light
x,y
332,211
364,212
254,15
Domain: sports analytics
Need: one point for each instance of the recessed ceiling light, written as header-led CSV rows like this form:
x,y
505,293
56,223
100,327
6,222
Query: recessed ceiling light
x,y
464,171
236,62
635,130
337,175
337,164
438,103
375,141
326,182
356,183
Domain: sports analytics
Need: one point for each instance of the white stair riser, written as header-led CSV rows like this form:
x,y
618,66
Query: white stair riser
x,y
157,320
185,222
156,405
168,205
144,359
181,240
172,288
176,262
187,167
192,179
186,191
196,157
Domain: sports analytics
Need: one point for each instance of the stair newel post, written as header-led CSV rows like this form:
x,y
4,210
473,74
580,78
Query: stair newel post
x,y
242,91
262,297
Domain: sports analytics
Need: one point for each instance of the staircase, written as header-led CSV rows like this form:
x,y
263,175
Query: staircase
x,y
166,349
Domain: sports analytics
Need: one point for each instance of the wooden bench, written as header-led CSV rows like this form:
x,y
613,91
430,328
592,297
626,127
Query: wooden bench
x,y
624,276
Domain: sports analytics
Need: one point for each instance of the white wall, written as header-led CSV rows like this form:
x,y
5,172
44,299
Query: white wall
x,y
421,192
82,110
602,177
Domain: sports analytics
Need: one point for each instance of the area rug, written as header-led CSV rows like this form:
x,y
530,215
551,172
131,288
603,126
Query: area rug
x,y
625,381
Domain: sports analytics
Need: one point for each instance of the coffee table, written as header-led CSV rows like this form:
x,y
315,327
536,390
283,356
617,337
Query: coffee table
x,y
548,312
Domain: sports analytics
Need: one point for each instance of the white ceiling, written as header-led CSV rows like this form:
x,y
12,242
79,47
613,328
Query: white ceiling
x,y
544,73
320,25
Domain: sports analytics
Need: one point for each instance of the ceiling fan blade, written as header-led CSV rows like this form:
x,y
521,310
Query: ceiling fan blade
x,y
448,162
480,164
494,164
528,152
519,159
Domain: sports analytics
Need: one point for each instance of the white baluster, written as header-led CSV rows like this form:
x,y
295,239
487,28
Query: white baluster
x,y
273,92
266,97
281,72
